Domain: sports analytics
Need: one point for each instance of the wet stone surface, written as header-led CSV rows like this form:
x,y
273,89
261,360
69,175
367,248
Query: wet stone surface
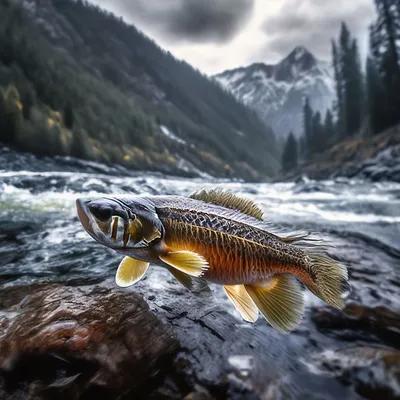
x,y
82,342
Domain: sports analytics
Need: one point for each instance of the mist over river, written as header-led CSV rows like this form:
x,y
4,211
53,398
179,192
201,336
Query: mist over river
x,y
347,355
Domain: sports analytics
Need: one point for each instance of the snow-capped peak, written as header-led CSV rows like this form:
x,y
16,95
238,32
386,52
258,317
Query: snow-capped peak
x,y
277,91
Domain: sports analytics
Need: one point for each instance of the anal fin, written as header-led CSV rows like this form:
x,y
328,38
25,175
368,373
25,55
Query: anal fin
x,y
130,271
242,302
280,300
186,261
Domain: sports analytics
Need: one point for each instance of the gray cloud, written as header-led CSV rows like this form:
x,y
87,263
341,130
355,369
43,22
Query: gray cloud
x,y
198,21
214,35
312,23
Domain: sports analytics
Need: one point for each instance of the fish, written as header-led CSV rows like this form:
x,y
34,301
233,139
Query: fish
x,y
215,236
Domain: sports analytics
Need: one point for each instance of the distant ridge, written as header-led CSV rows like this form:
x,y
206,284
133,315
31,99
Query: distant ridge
x,y
276,92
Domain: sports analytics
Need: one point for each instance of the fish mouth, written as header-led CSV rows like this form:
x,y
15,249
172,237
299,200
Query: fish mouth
x,y
109,226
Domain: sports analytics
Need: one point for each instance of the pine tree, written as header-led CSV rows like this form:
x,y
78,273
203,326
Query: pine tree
x,y
318,133
2,115
12,120
80,146
386,56
349,83
69,117
376,98
329,129
290,156
302,148
339,106
345,72
352,82
27,100
307,128
354,89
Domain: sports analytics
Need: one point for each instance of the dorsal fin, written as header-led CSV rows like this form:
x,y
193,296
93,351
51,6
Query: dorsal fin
x,y
229,200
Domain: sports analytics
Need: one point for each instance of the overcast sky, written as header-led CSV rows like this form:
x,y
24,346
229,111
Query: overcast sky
x,y
214,35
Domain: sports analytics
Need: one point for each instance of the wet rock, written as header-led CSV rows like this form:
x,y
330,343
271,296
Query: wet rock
x,y
369,323
374,373
375,172
11,230
301,179
309,187
68,343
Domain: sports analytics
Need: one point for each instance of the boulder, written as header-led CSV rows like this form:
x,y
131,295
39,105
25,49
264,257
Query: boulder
x,y
363,322
80,342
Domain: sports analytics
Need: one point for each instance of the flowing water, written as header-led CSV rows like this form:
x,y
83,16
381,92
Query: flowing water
x,y
43,241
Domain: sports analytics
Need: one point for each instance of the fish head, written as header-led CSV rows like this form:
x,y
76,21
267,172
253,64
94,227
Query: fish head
x,y
125,225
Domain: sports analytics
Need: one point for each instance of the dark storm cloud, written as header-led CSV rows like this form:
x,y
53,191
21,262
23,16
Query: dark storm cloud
x,y
312,23
200,21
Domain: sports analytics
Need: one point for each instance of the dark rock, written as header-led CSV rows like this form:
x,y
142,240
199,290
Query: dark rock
x,y
351,171
300,179
374,373
309,187
376,172
11,230
379,322
69,343
394,173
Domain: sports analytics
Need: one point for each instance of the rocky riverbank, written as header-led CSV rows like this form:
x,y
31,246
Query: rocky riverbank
x,y
376,158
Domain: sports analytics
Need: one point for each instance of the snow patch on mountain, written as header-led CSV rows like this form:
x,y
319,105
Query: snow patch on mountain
x,y
171,135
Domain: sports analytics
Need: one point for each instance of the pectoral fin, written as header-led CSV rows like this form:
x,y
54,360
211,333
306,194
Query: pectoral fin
x,y
186,261
243,302
280,300
130,271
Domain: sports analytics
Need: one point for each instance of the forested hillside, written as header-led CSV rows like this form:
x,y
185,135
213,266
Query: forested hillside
x,y
76,80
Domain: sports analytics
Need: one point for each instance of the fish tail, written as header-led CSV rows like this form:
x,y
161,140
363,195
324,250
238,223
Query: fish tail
x,y
328,278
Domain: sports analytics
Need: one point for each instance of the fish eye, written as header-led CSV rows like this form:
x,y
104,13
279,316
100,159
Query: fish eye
x,y
101,213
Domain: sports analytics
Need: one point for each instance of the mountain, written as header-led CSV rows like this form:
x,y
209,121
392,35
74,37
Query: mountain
x,y
77,80
276,92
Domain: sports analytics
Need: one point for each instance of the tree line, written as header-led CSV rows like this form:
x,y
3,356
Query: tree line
x,y
367,99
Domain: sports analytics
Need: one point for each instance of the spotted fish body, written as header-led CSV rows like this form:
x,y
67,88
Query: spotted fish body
x,y
223,239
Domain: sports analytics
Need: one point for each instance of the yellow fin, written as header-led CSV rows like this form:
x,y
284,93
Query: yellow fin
x,y
331,280
186,261
130,271
243,302
280,300
229,200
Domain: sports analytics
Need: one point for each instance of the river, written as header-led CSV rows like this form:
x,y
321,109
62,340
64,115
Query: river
x,y
331,355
